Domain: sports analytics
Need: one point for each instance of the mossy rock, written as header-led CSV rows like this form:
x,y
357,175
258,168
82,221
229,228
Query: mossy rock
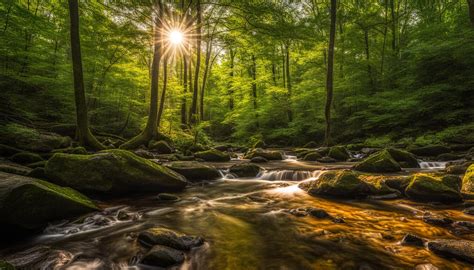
x,y
407,159
38,164
267,154
30,139
379,162
72,150
168,238
7,151
30,203
38,173
4,265
338,153
161,147
212,155
448,157
311,144
25,158
14,168
430,150
468,179
312,156
323,151
338,183
245,170
194,171
434,188
112,171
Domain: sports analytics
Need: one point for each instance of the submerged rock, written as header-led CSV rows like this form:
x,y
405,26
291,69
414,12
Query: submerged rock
x,y
112,171
162,256
25,158
258,160
412,240
450,248
433,188
194,171
468,180
327,160
267,154
161,147
169,238
437,220
245,170
212,155
338,153
379,162
318,213
30,203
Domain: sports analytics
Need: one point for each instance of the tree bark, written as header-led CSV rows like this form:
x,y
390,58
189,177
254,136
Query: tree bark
x,y
330,75
204,77
471,10
254,87
83,132
193,114
367,58
163,91
185,90
288,81
150,130
231,90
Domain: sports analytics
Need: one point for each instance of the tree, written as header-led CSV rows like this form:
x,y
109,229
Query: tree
x,y
83,132
471,10
193,117
330,71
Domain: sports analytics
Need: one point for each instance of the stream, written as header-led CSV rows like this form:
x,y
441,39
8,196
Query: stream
x,y
247,224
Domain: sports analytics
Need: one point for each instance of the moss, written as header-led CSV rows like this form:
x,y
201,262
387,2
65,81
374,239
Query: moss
x,y
212,155
245,170
25,158
341,183
39,164
312,156
31,139
6,266
31,203
338,153
162,147
72,150
468,179
407,158
112,171
267,154
379,162
193,170
433,188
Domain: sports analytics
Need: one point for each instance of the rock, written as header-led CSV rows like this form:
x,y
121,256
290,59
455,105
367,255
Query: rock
x,y
404,158
378,162
25,158
456,169
323,151
161,147
30,203
162,256
245,170
311,144
433,188
213,155
338,153
38,164
399,183
426,266
144,154
7,151
469,211
123,215
412,240
169,238
327,160
194,171
72,150
437,220
167,197
259,144
468,180
450,248
298,212
4,265
33,140
14,168
112,171
267,154
430,150
258,160
448,157
312,156
37,173
318,213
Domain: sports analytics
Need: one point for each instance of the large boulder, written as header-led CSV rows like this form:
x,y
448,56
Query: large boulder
x,y
112,171
267,154
453,248
338,153
26,138
379,162
245,170
468,179
434,188
212,155
30,203
430,150
194,171
161,147
404,158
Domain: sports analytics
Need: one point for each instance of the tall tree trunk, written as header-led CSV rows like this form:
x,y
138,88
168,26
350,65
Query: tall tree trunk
x,y
288,81
204,77
193,114
471,10
254,86
150,130
329,77
394,25
231,83
84,134
163,91
385,30
185,90
367,58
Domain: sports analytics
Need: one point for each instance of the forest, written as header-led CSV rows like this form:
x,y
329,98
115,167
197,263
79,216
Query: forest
x,y
232,134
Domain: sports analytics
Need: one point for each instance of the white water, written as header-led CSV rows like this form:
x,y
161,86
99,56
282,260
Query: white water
x,y
291,175
432,165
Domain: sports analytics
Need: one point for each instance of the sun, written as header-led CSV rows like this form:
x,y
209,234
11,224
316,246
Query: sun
x,y
176,37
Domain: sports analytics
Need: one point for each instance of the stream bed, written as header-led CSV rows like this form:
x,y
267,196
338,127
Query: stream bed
x,y
247,223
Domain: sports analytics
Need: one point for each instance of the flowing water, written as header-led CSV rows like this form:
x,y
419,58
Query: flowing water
x,y
247,225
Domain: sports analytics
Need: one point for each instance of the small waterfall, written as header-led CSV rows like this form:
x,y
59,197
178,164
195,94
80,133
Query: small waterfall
x,y
432,165
289,157
289,175
225,174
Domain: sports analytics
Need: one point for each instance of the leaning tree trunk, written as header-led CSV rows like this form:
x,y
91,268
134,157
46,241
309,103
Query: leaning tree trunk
x,y
329,78
150,130
193,114
83,132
